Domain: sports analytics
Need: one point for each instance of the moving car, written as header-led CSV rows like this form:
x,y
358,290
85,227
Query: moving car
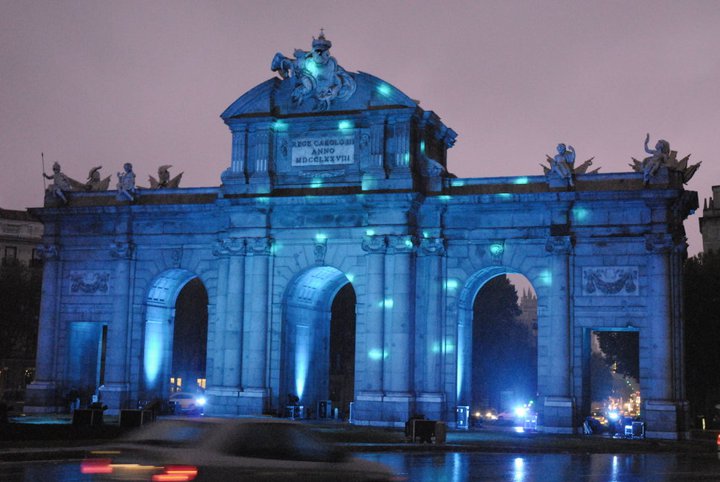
x,y
188,403
228,449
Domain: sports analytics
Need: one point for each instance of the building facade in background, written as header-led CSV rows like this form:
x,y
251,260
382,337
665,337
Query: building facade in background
x,y
340,261
20,235
710,222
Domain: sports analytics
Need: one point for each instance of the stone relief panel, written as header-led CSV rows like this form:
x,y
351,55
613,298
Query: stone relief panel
x,y
89,282
610,280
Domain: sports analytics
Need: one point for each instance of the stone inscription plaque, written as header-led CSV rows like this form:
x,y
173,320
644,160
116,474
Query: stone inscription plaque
x,y
323,151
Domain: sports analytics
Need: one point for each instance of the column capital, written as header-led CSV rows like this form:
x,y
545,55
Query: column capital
x,y
259,246
659,243
432,246
229,246
559,244
48,251
122,249
403,243
374,243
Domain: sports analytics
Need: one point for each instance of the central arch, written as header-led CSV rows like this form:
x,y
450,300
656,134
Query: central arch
x,y
319,342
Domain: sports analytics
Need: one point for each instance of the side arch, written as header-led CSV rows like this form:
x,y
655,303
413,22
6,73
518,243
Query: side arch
x,y
160,300
464,327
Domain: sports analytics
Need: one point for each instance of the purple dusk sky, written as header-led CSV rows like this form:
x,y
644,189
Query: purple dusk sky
x,y
102,83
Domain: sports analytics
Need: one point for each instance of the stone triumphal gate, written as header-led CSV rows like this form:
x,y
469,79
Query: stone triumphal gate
x,y
338,184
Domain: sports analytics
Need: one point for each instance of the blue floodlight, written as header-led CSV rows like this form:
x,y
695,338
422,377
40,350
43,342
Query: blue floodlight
x,y
384,89
496,249
344,125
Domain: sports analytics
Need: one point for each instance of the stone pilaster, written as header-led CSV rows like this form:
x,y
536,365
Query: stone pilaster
x,y
260,138
398,314
369,362
234,178
375,171
558,404
660,409
254,369
430,344
373,359
115,392
40,395
399,173
225,387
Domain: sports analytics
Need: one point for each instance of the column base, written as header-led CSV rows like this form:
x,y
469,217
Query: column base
x,y
372,179
116,396
41,397
557,415
432,405
666,419
259,184
222,401
253,401
235,401
387,410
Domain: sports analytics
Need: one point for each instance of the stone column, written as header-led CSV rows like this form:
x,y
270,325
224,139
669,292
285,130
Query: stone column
x,y
370,358
215,379
398,329
254,362
372,364
659,406
558,404
228,327
40,394
429,303
233,315
115,392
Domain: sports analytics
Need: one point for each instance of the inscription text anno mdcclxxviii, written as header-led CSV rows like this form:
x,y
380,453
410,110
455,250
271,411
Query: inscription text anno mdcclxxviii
x,y
323,151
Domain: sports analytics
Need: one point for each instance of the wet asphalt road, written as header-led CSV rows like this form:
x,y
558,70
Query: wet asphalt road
x,y
469,466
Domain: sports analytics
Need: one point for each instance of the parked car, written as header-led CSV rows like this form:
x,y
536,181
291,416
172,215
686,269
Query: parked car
x,y
228,449
187,403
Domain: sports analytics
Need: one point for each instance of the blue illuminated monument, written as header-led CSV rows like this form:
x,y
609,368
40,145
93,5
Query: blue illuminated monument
x,y
338,194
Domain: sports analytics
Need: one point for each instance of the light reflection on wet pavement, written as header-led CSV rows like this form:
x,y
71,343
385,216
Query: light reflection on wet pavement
x,y
460,467
470,466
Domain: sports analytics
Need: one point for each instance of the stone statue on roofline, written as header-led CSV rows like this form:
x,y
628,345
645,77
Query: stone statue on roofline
x,y
562,169
163,180
61,184
316,74
95,182
661,157
126,184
